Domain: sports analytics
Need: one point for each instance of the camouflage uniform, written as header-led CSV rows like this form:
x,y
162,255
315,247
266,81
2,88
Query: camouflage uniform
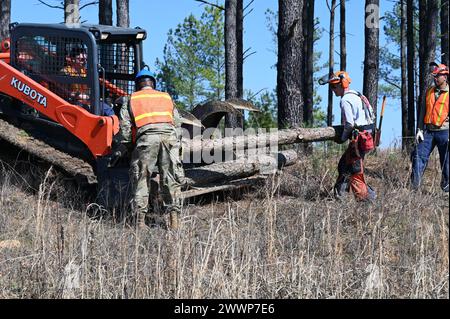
x,y
157,149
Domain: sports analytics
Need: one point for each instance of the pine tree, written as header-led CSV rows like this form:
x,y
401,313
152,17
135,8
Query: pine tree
x,y
72,11
371,51
319,117
192,69
5,18
290,70
123,13
267,117
343,37
444,32
332,9
105,12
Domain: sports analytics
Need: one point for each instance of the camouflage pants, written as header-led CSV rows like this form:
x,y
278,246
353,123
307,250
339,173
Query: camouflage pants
x,y
156,153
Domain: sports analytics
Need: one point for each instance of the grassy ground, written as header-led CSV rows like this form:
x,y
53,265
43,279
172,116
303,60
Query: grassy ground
x,y
288,239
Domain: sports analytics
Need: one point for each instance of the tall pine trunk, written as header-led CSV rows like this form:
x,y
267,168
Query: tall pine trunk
x,y
231,65
371,52
427,42
5,18
123,13
422,48
240,47
431,35
343,37
411,54
105,12
404,89
72,11
331,63
308,29
105,17
240,57
123,21
444,32
290,63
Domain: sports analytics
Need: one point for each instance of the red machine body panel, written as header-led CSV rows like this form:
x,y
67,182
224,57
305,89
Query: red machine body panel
x,y
96,132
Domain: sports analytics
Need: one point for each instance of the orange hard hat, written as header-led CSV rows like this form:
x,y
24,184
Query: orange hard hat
x,y
340,77
438,69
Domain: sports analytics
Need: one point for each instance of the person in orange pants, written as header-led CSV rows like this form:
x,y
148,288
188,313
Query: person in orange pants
x,y
351,173
358,120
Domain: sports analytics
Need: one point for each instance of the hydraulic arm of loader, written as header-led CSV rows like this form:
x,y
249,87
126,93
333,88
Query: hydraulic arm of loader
x,y
96,132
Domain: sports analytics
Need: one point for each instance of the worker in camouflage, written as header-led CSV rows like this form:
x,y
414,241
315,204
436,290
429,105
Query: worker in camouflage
x,y
150,124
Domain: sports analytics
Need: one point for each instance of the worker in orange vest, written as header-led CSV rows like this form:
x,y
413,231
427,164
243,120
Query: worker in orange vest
x,y
149,122
76,67
358,119
432,128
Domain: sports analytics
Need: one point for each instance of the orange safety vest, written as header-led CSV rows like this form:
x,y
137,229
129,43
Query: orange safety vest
x,y
151,107
77,72
437,111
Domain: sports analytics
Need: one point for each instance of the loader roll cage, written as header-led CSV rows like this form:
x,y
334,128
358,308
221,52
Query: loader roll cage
x,y
45,53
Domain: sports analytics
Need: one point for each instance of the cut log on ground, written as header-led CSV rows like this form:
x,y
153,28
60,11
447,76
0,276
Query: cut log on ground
x,y
240,168
230,186
280,137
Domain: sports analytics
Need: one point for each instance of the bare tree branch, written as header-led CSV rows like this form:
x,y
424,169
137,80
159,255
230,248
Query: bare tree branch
x,y
394,84
247,50
334,7
88,4
248,5
245,57
62,7
248,13
211,4
50,6
251,97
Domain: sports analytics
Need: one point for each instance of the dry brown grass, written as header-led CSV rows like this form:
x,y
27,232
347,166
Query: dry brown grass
x,y
290,239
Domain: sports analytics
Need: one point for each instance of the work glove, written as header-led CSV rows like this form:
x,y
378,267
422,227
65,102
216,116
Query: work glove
x,y
419,136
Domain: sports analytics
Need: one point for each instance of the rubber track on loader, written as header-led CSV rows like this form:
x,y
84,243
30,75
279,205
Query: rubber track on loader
x,y
72,166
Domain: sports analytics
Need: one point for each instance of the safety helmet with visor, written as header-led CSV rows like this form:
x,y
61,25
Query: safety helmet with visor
x,y
438,69
340,77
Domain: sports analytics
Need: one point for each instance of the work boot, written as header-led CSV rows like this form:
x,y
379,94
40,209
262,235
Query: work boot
x,y
174,220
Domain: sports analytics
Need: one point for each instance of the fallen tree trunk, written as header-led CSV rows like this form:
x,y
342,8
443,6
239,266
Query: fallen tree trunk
x,y
230,186
240,168
280,137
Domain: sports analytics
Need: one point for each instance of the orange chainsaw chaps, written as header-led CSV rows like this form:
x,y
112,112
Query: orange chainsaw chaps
x,y
359,186
96,132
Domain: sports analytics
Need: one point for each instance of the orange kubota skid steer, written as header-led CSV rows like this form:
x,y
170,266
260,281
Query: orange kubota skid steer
x,y
63,85
60,83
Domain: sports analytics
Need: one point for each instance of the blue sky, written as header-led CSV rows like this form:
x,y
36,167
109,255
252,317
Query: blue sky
x,y
157,17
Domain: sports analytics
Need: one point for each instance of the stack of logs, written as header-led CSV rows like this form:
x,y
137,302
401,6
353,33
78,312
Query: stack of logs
x,y
245,169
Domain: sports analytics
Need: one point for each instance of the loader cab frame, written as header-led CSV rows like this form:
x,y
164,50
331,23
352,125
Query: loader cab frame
x,y
114,55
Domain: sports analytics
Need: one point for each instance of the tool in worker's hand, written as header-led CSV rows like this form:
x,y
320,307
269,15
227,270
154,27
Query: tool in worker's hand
x,y
378,131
